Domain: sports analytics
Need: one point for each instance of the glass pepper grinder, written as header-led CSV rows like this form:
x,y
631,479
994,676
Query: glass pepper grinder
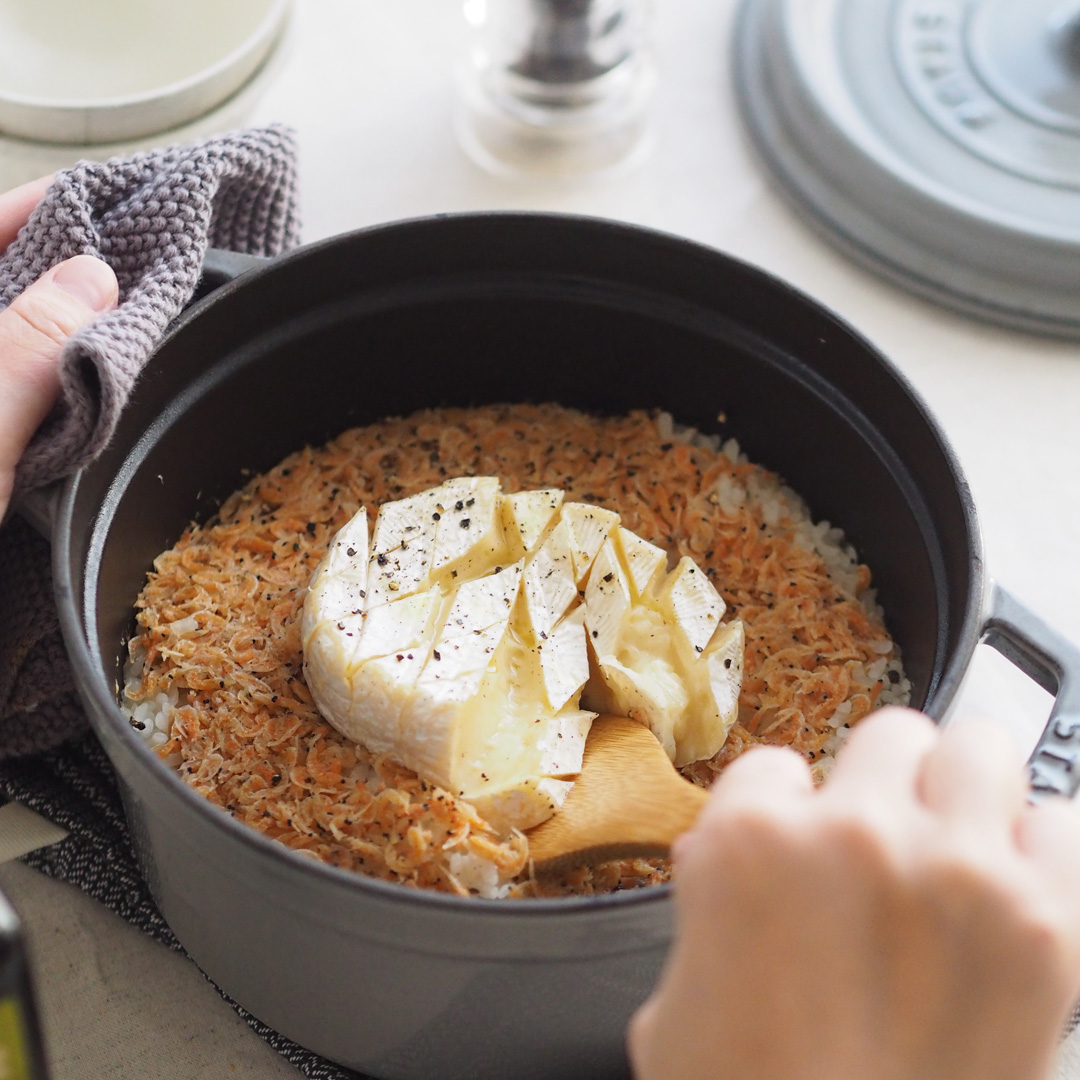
x,y
557,89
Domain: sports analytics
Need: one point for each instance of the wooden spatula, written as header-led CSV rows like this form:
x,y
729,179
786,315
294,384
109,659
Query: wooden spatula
x,y
628,801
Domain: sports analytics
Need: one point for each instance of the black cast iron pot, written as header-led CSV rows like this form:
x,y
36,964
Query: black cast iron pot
x,y
462,310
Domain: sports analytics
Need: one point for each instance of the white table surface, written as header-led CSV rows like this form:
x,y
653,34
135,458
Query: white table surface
x,y
369,86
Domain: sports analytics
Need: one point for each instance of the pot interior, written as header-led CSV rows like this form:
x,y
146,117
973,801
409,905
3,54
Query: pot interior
x,y
529,307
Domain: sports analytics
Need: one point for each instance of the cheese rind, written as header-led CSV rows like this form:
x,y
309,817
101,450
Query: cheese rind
x,y
589,526
401,548
468,530
529,513
339,585
607,600
564,660
644,562
484,601
691,604
549,584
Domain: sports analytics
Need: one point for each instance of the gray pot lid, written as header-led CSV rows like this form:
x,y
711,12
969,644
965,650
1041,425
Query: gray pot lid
x,y
937,140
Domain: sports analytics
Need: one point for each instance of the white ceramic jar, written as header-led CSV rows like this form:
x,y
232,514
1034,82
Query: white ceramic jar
x,y
82,80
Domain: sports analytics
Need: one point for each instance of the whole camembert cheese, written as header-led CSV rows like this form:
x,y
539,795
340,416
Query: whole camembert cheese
x,y
475,636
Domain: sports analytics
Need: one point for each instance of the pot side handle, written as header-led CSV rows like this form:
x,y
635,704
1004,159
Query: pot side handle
x,y
220,267
1053,662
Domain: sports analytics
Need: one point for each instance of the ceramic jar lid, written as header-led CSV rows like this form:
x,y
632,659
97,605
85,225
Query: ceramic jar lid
x,y
936,140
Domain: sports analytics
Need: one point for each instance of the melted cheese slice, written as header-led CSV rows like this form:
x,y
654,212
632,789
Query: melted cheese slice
x,y
664,659
464,637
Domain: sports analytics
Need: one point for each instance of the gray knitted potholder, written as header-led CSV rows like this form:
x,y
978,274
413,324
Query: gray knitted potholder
x,y
151,217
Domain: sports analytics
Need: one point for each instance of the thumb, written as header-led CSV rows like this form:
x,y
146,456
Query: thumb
x,y
33,330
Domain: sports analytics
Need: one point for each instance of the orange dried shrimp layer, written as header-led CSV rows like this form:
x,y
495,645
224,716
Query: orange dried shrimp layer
x,y
219,621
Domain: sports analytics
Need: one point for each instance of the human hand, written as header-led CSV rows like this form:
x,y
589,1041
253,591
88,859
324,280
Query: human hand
x,y
33,330
912,918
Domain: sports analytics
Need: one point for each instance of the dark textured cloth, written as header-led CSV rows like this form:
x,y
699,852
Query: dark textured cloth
x,y
151,217
38,704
